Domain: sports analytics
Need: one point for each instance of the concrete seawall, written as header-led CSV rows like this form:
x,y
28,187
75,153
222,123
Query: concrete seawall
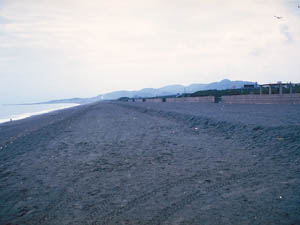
x,y
204,99
262,99
153,100
234,99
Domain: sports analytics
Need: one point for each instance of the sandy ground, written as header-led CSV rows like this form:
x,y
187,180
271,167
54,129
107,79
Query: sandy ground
x,y
152,163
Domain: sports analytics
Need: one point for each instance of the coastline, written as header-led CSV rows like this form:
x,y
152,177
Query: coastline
x,y
21,116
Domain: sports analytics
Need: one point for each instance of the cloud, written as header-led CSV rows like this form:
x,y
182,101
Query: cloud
x,y
4,20
256,52
284,30
137,43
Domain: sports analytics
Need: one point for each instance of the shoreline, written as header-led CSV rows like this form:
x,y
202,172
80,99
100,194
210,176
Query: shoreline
x,y
30,114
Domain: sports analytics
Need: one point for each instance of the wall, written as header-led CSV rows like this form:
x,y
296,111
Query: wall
x,y
262,99
205,99
153,100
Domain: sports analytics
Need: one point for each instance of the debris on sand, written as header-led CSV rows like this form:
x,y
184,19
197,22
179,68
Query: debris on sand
x,y
280,138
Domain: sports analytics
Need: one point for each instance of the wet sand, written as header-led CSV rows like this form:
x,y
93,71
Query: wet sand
x,y
152,163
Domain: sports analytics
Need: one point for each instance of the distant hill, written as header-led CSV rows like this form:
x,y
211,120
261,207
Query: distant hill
x,y
74,100
175,89
153,92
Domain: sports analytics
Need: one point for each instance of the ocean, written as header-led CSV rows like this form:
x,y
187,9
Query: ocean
x,y
17,112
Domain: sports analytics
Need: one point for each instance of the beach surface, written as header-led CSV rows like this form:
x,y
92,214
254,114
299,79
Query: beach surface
x,y
152,163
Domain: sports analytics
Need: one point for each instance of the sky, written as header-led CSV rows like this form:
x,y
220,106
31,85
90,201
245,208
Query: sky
x,y
52,49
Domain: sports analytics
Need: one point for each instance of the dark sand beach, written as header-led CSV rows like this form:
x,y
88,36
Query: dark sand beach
x,y
152,163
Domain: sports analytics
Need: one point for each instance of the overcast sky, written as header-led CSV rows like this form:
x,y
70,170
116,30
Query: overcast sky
x,y
53,49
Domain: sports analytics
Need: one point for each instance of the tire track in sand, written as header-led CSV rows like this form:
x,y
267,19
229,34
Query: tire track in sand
x,y
177,206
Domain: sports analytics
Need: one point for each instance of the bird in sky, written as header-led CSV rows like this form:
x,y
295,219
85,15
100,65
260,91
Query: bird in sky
x,y
278,17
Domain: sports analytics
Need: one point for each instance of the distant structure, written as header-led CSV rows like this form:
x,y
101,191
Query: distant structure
x,y
250,93
250,87
276,85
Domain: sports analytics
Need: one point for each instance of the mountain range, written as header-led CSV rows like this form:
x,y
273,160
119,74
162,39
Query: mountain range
x,y
153,92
